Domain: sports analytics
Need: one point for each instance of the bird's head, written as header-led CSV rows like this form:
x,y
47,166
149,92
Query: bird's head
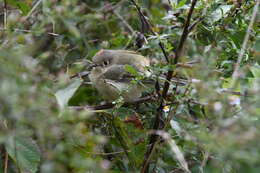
x,y
103,58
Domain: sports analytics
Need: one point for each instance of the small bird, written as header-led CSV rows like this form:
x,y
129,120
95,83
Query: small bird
x,y
109,75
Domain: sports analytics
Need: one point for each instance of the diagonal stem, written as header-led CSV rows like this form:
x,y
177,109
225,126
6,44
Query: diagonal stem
x,y
235,74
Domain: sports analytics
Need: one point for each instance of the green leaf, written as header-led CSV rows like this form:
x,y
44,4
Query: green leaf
x,y
24,7
25,152
220,12
228,83
205,35
63,95
181,3
256,71
131,70
72,28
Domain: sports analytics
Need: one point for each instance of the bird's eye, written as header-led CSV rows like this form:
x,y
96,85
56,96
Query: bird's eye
x,y
105,63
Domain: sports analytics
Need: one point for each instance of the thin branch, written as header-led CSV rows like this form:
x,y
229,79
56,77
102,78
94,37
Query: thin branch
x,y
5,14
32,10
176,150
80,74
108,6
236,93
235,74
143,17
111,105
163,51
124,22
6,162
105,154
113,10
195,24
6,153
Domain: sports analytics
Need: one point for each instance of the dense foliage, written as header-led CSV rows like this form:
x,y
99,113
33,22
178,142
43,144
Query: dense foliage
x,y
209,124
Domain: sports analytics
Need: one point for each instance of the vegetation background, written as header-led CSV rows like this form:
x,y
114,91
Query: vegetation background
x,y
209,125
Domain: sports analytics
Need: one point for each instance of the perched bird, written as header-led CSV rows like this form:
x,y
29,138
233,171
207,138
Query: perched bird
x,y
109,75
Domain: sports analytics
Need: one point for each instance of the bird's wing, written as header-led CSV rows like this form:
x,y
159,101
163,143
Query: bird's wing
x,y
117,73
119,86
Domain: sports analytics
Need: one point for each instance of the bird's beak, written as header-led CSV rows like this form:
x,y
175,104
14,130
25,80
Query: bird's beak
x,y
91,66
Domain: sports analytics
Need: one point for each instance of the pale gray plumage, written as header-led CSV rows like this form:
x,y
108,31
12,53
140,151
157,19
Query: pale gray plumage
x,y
110,78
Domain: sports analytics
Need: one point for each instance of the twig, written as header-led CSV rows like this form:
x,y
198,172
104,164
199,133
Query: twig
x,y
32,10
174,147
124,22
80,74
195,23
6,153
235,74
105,154
5,14
113,10
111,105
6,162
28,31
143,17
236,93
108,6
163,51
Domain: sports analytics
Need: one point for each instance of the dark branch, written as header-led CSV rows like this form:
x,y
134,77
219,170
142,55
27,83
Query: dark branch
x,y
159,121
195,23
179,49
111,105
